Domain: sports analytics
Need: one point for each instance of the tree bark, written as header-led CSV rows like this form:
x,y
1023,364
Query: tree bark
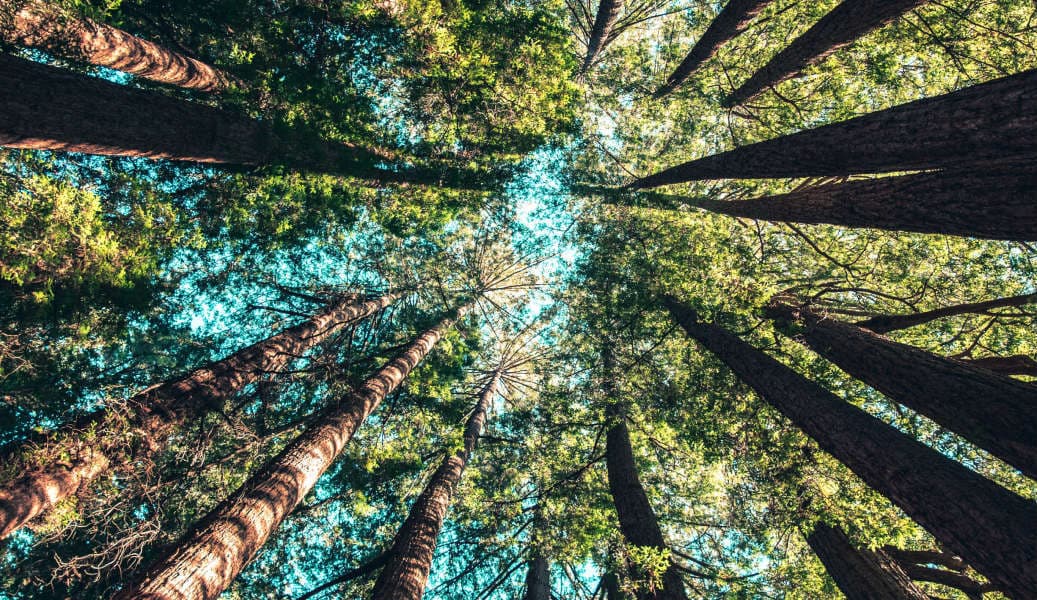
x,y
887,323
410,560
970,587
1018,364
846,23
608,12
732,20
995,412
992,528
538,579
209,557
999,204
157,412
988,122
36,25
861,574
925,557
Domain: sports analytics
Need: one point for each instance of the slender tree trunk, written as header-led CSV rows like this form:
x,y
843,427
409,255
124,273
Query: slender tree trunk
x,y
970,587
608,12
1018,364
992,528
732,20
208,559
410,560
925,557
36,25
849,21
538,579
861,574
999,204
157,412
988,122
995,412
887,323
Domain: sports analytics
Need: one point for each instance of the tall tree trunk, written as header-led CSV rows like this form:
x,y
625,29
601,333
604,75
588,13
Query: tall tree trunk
x,y
999,204
992,528
970,587
988,122
410,560
887,323
36,25
732,20
1018,364
851,20
861,574
209,557
157,412
995,412
538,579
608,12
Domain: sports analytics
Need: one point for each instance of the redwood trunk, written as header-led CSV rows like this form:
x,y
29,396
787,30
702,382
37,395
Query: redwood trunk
x,y
861,574
36,25
1018,364
925,557
972,588
158,412
608,12
410,560
993,411
846,23
993,529
986,122
538,579
208,559
887,323
732,20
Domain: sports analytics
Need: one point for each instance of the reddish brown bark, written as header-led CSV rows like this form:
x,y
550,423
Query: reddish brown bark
x,y
36,25
159,411
993,411
732,20
208,559
538,579
410,560
1018,364
861,574
608,12
846,23
887,323
993,529
987,122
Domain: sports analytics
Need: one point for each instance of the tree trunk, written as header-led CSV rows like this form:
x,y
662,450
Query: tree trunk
x,y
157,412
538,579
209,557
861,574
995,412
999,204
732,20
1018,364
410,560
970,587
846,23
608,12
887,323
925,557
36,25
988,122
993,529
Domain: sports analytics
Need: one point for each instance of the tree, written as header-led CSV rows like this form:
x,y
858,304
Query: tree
x,y
946,390
989,122
208,559
846,23
860,573
538,579
1018,364
98,440
995,530
608,12
886,323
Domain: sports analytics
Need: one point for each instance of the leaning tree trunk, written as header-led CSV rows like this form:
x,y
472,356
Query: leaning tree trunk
x,y
861,574
538,579
995,412
992,528
209,557
987,122
973,589
36,25
851,20
1018,364
732,20
998,203
410,560
887,323
156,413
608,12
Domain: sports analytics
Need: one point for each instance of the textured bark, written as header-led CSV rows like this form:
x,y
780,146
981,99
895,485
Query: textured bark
x,y
608,12
846,23
925,557
861,574
887,323
1018,364
36,25
157,412
986,122
732,20
998,204
538,579
990,527
972,588
209,557
993,411
410,560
